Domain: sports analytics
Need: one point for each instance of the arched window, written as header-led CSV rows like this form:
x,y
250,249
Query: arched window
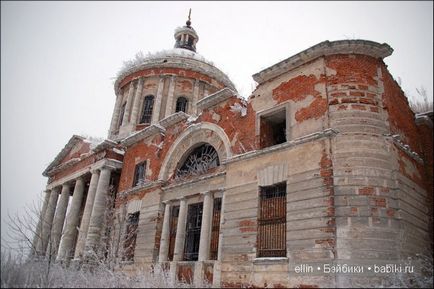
x,y
181,104
198,162
148,105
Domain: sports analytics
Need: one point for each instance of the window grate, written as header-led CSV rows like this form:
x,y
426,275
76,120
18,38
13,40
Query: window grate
x,y
215,229
272,221
148,106
131,236
172,231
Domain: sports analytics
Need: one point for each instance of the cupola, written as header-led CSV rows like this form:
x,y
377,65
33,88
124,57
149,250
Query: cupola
x,y
185,36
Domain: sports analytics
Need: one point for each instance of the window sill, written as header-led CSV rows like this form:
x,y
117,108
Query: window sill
x,y
270,260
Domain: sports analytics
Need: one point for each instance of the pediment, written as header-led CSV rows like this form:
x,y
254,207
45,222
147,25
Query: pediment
x,y
77,148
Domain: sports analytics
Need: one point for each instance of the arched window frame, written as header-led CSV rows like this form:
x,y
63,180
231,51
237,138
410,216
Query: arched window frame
x,y
198,161
148,106
181,104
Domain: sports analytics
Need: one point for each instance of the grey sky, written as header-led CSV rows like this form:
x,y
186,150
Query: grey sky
x,y
58,60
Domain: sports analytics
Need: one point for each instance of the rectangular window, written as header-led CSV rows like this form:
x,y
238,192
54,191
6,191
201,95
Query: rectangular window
x,y
272,221
172,231
131,236
139,174
272,128
192,234
215,229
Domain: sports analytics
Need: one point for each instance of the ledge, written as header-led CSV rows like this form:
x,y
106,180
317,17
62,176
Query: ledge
x,y
270,260
136,189
107,143
324,48
215,98
330,132
173,119
190,181
396,139
426,117
141,134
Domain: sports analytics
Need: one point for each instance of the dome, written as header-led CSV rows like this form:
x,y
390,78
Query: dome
x,y
183,56
175,58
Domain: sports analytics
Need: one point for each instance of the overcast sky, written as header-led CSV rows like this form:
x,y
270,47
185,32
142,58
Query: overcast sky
x,y
58,60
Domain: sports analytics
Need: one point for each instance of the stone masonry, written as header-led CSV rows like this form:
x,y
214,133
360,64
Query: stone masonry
x,y
324,163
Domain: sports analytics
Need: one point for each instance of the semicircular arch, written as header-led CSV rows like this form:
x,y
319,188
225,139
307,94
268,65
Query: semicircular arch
x,y
193,136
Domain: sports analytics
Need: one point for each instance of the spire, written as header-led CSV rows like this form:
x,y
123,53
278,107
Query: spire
x,y
186,37
189,19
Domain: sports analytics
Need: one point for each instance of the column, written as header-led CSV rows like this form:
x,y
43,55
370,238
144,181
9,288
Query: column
x,y
222,217
125,120
137,98
165,234
157,106
205,90
59,218
85,220
48,221
178,253
38,230
98,211
169,104
115,116
195,97
205,230
68,238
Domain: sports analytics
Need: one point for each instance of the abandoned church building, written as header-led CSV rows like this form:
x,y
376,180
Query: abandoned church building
x,y
325,162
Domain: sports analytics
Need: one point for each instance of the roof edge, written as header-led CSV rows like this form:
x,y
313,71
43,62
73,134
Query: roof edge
x,y
356,46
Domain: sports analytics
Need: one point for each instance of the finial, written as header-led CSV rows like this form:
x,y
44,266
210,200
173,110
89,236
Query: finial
x,y
189,19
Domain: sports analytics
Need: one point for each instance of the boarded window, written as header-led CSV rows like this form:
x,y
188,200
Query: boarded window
x,y
131,236
181,104
192,234
148,106
139,174
172,231
273,129
272,221
215,230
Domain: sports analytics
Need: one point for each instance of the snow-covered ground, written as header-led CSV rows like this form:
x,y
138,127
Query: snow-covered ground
x,y
24,273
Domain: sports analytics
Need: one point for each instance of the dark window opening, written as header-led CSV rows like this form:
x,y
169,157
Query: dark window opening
x,y
131,236
190,40
215,229
192,232
272,221
139,174
199,161
273,129
148,106
172,231
181,104
121,115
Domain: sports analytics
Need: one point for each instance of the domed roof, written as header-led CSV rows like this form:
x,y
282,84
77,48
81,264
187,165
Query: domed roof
x,y
183,56
174,58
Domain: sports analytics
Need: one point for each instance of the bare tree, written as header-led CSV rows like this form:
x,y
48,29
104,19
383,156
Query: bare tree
x,y
421,103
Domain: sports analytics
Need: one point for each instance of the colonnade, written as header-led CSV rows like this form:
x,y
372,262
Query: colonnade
x,y
134,100
57,233
205,231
